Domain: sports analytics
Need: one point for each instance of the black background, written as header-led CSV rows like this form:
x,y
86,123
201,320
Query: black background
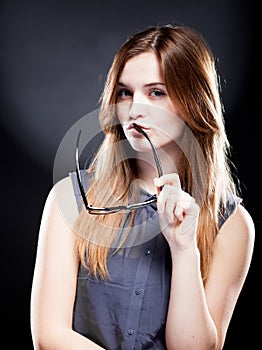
x,y
53,60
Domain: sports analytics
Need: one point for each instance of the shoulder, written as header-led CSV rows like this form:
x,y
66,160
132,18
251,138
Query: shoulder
x,y
235,243
232,201
239,225
232,255
61,202
63,190
55,239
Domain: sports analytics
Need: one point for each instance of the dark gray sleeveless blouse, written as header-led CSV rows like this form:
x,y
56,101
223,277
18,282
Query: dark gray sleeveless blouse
x,y
129,309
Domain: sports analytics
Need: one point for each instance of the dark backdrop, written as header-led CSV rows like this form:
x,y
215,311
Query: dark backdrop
x,y
53,60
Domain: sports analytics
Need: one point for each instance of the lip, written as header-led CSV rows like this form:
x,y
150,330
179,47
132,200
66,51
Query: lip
x,y
131,127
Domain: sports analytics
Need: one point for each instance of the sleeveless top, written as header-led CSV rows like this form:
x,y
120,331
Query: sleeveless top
x,y
129,309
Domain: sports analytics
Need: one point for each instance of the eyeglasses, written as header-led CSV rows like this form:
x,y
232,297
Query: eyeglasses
x,y
109,210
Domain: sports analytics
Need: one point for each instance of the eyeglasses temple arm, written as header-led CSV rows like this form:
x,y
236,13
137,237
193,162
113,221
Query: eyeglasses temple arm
x,y
157,160
78,175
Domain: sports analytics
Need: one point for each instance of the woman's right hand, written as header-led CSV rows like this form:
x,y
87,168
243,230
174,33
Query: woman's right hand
x,y
178,212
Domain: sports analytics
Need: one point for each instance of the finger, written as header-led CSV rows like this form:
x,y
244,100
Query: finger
x,y
191,214
171,206
183,205
192,208
158,188
167,201
179,212
168,179
162,198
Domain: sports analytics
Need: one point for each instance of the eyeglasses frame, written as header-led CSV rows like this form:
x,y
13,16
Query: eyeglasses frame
x,y
109,210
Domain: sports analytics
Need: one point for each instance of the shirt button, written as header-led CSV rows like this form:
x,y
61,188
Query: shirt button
x,y
130,331
148,251
138,291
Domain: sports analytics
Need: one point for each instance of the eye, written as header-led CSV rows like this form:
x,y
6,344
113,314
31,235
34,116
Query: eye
x,y
123,94
156,93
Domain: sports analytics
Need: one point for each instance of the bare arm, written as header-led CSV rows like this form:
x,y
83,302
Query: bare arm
x,y
231,261
55,276
198,317
189,324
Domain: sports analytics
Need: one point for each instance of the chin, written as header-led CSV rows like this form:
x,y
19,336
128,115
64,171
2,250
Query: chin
x,y
139,145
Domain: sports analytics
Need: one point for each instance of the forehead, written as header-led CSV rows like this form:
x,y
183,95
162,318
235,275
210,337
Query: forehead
x,y
143,67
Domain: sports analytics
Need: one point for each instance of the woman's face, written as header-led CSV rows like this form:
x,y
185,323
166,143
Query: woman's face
x,y
142,98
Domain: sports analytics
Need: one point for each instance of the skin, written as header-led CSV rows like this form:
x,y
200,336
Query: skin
x,y
143,99
198,316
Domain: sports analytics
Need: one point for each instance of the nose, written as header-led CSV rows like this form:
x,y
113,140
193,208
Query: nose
x,y
137,109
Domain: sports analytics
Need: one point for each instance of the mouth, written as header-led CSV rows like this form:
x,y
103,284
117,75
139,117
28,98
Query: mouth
x,y
132,127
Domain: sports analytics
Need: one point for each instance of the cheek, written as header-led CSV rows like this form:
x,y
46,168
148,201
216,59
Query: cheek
x,y
122,110
169,129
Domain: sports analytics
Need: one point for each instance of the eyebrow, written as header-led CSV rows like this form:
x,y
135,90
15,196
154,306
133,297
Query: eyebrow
x,y
147,85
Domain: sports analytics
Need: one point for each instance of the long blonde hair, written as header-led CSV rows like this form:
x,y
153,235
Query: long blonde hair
x,y
191,79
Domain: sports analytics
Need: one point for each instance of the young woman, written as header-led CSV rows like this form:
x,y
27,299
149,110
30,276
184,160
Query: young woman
x,y
166,273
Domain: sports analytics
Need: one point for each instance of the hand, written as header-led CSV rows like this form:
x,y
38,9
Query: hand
x,y
178,212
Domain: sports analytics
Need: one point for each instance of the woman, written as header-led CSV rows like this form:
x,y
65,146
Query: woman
x,y
166,275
